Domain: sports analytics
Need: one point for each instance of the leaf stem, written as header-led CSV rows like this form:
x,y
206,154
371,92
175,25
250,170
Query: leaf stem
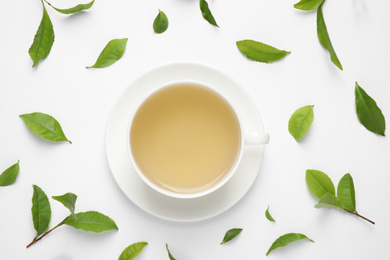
x,y
360,216
47,232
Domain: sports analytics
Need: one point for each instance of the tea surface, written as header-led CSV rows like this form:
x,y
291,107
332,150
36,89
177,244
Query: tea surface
x,y
185,138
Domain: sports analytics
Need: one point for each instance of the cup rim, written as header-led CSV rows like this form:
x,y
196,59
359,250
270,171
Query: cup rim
x,y
214,187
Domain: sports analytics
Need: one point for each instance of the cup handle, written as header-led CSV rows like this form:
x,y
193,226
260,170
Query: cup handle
x,y
256,138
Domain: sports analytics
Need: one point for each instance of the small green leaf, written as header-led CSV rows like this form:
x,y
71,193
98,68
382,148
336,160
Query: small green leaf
x,y
324,39
132,251
76,9
369,114
43,39
329,201
92,221
308,5
45,126
160,23
41,212
169,253
231,234
268,215
300,122
346,192
68,200
287,239
9,175
319,183
204,7
260,52
111,53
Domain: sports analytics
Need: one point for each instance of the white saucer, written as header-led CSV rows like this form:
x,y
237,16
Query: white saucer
x,y
143,196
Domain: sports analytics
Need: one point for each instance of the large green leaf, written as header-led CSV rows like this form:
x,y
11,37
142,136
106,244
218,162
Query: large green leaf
x,y
329,201
9,175
132,251
75,9
308,5
346,192
111,53
41,212
324,39
369,114
259,51
160,23
43,39
231,234
44,126
92,221
300,122
207,15
68,200
287,239
319,183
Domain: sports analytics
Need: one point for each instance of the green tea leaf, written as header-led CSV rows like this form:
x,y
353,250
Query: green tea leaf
x,y
41,212
287,239
319,183
204,7
169,253
160,23
45,126
231,234
268,215
68,200
329,201
369,114
75,9
43,39
92,221
308,5
9,175
132,251
111,53
260,52
300,122
324,39
346,192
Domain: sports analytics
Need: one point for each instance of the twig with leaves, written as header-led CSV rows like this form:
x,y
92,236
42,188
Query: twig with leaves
x,y
323,188
88,221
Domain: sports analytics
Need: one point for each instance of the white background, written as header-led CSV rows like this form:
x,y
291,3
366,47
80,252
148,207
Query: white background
x,y
81,100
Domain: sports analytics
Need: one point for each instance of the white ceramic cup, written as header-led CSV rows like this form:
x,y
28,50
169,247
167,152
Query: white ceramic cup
x,y
257,138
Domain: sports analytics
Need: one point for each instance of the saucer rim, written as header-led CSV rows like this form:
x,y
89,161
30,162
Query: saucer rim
x,y
195,70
